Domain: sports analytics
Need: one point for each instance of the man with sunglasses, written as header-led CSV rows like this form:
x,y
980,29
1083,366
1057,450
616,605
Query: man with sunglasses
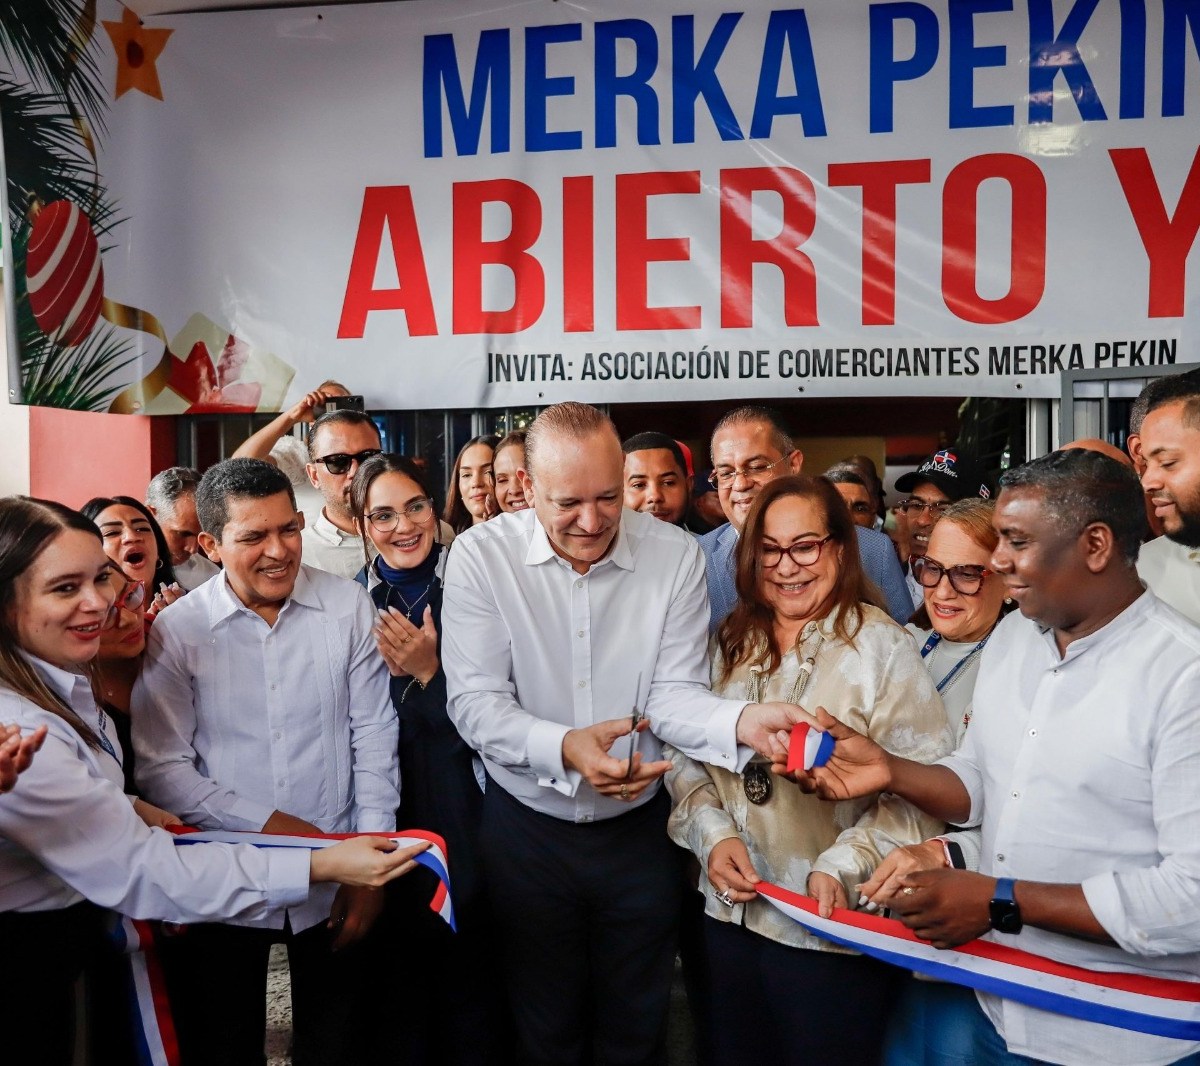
x,y
750,447
945,477
339,442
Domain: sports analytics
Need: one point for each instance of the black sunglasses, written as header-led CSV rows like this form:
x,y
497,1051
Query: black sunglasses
x,y
339,462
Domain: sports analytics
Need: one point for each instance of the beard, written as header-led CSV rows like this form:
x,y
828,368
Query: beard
x,y
1188,533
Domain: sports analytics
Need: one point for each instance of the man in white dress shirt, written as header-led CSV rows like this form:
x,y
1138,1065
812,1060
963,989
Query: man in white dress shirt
x,y
1080,767
264,705
1170,449
339,441
557,623
171,497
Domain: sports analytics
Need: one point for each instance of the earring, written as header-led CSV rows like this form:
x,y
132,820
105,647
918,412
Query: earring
x,y
1008,600
158,565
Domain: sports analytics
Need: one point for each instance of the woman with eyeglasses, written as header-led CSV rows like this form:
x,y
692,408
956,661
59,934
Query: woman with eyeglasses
x,y
471,494
806,630
70,841
441,782
963,601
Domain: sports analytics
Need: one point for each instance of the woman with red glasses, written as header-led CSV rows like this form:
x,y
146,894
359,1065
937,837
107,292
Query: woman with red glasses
x,y
70,841
806,630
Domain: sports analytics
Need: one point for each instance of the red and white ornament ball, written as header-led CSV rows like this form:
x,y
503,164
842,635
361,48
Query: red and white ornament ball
x,y
63,273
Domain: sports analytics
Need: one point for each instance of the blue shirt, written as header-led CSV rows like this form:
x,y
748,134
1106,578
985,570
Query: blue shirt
x,y
874,548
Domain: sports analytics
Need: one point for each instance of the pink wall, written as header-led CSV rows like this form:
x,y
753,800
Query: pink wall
x,y
75,455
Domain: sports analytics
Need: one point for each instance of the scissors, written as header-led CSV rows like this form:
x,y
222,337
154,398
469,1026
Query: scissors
x,y
634,719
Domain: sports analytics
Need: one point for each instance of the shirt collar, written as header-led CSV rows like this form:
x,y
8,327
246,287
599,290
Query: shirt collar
x,y
65,683
1114,630
225,604
327,531
541,550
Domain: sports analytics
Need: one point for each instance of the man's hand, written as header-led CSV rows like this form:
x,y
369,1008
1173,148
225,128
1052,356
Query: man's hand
x,y
945,907
16,753
288,824
885,882
407,650
857,767
586,750
759,722
730,870
304,410
353,913
155,817
828,891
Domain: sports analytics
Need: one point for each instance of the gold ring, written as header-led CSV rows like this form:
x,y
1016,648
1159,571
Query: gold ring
x,y
624,792
406,640
908,891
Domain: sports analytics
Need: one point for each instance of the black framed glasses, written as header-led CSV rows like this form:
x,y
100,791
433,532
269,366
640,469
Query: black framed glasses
x,y
802,553
130,598
385,519
340,462
751,472
916,505
967,580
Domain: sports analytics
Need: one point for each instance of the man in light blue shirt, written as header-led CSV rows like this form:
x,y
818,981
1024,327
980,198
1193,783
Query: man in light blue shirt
x,y
749,448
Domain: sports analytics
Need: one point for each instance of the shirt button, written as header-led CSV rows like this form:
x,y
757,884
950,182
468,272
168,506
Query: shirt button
x,y
999,858
554,780
282,782
585,817
579,584
278,734
1033,732
580,633
582,683
1016,795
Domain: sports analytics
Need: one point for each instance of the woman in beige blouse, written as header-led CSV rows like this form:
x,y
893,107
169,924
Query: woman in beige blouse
x,y
805,630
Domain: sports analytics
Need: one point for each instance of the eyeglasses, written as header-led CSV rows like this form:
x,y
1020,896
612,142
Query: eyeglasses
x,y
916,504
339,462
751,472
967,580
802,553
387,518
130,598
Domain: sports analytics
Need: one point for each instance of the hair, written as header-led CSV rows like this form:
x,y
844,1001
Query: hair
x,y
27,528
1082,487
251,479
571,420
844,475
515,439
749,632
364,478
780,438
165,572
338,418
973,516
169,486
330,383
651,441
455,513
1162,391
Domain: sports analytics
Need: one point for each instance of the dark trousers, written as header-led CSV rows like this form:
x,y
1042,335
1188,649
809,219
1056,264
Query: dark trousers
x,y
44,952
217,976
794,1005
587,916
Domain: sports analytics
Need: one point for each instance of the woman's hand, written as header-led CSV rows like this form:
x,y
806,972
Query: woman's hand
x,y
164,597
154,817
731,872
884,883
857,767
828,891
407,650
364,862
16,753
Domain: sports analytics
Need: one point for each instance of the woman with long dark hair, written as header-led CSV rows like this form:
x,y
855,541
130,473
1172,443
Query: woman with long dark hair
x,y
70,841
806,630
471,494
134,540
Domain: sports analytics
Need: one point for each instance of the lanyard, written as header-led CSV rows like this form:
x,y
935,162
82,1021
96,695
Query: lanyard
x,y
934,640
105,743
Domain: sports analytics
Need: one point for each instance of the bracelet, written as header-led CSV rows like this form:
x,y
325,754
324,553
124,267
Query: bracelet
x,y
414,681
953,853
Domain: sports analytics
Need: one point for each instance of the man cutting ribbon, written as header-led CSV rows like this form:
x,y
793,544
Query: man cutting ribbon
x,y
1080,767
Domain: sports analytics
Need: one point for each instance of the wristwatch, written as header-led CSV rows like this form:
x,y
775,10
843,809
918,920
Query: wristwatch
x,y
1004,911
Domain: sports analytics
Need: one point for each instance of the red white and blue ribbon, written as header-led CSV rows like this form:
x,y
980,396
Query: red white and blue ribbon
x,y
153,1027
808,748
1158,1006
434,857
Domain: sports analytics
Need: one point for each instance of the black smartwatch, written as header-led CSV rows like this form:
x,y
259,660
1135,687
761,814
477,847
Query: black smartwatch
x,y
1005,914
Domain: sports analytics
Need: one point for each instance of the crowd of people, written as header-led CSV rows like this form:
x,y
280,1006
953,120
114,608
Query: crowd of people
x,y
584,675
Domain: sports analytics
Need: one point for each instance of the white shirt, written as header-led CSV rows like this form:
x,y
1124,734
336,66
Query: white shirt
x,y
195,571
1172,572
331,549
1086,769
234,719
69,832
532,650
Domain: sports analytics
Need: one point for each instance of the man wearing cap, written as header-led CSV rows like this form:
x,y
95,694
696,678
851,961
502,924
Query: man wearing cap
x,y
942,479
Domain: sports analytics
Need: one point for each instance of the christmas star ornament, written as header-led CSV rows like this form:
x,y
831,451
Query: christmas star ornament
x,y
138,48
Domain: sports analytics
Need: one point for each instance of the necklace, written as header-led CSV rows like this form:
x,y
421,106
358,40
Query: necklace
x,y
756,778
408,607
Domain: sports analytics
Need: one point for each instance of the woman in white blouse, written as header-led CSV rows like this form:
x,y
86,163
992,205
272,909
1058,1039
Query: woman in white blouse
x,y
70,841
805,631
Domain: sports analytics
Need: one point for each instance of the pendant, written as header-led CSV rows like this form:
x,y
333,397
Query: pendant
x,y
756,780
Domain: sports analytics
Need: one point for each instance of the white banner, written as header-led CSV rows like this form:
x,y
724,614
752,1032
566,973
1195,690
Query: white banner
x,y
514,202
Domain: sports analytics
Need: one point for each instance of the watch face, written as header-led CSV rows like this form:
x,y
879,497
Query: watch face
x,y
1005,915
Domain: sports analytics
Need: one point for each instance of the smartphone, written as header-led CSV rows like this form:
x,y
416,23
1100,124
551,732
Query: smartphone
x,y
344,403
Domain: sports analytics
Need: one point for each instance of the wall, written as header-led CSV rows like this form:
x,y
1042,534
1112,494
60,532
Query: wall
x,y
14,425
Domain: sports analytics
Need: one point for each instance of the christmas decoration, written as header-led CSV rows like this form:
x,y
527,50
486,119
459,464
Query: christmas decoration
x,y
137,47
64,275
